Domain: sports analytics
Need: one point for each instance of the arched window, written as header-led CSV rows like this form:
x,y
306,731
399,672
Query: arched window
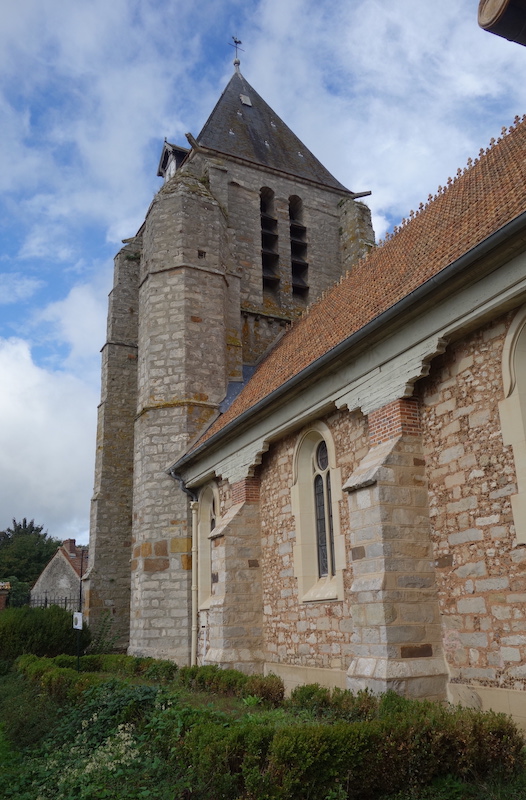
x,y
323,511
269,241
319,552
298,249
207,520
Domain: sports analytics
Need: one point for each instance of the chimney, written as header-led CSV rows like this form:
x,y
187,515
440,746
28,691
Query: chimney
x,y
69,545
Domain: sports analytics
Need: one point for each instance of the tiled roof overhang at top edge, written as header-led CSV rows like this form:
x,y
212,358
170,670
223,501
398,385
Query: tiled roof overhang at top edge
x,y
484,203
256,134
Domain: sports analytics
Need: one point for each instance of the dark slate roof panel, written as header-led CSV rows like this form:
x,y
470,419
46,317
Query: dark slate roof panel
x,y
254,132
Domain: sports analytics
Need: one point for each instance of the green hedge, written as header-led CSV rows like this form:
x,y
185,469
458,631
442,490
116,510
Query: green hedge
x,y
41,631
354,760
268,689
150,668
211,678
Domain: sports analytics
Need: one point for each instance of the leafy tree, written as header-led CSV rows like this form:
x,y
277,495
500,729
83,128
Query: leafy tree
x,y
25,549
19,593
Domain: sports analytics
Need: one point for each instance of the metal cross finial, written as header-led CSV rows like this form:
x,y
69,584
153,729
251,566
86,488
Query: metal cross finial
x,y
236,44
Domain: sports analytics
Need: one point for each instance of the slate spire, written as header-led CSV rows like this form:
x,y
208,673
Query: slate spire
x,y
243,125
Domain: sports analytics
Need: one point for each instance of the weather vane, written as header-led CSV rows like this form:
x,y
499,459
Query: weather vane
x,y
236,44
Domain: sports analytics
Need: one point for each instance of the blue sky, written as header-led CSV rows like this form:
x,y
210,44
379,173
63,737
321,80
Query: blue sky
x,y
391,97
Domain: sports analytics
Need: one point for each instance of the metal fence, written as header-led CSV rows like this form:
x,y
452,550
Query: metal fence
x,y
46,599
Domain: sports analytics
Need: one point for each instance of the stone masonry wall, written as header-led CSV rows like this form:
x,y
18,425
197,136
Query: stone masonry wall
x,y
107,582
321,217
314,634
481,572
182,377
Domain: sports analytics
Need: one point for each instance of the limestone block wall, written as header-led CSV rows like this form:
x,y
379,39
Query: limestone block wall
x,y
481,569
182,377
326,217
315,635
202,315
356,231
107,582
161,563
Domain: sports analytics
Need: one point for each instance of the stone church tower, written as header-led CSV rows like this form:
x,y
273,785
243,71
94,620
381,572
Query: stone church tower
x,y
247,231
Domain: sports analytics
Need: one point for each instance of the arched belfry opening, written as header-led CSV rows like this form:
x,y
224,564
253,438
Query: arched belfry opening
x,y
298,250
269,241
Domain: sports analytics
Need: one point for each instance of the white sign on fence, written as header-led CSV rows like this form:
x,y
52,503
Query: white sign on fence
x,y
77,620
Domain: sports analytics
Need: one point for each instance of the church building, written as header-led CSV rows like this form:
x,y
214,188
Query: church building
x,y
311,454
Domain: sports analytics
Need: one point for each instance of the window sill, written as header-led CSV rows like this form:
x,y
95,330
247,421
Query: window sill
x,y
323,589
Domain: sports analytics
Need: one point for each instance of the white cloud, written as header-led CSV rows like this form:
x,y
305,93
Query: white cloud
x,y
47,440
391,97
78,322
15,287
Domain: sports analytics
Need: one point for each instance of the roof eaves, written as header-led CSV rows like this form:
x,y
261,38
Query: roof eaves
x,y
339,189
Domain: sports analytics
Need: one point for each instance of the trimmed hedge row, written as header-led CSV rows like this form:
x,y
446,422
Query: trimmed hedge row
x,y
211,678
268,689
341,704
150,668
349,760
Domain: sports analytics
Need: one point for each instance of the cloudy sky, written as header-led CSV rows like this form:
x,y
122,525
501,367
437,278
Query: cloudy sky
x,y
391,97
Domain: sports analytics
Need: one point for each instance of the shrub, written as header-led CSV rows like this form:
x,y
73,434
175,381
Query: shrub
x,y
343,705
90,663
70,662
365,759
162,671
57,682
352,707
5,666
187,675
211,678
27,713
269,688
226,763
113,663
41,631
312,697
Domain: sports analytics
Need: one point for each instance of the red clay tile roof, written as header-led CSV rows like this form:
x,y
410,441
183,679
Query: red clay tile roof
x,y
76,557
483,198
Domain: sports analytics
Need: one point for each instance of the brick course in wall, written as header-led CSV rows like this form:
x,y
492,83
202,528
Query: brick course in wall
x,y
246,491
481,573
401,417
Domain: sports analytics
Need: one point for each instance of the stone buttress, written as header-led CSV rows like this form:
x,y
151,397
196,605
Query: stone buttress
x,y
107,581
397,641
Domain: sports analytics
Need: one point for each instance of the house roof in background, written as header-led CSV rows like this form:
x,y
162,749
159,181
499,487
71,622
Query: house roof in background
x,y
77,556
